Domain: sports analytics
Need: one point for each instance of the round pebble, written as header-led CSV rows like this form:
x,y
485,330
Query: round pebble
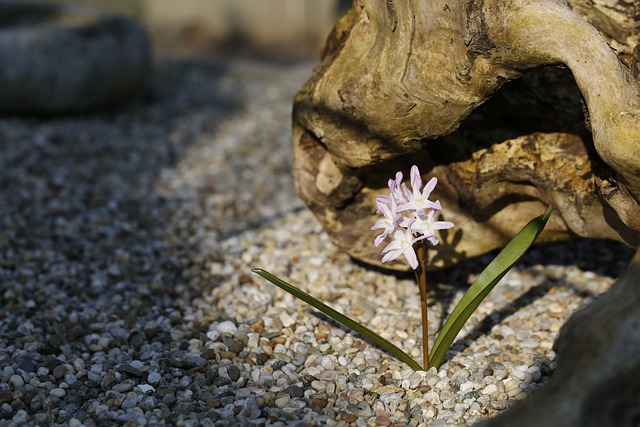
x,y
227,327
154,378
58,392
16,381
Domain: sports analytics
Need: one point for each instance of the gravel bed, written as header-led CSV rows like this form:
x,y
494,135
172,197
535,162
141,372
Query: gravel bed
x,y
126,240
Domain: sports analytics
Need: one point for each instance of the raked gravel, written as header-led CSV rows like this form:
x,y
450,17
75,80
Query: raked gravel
x,y
126,298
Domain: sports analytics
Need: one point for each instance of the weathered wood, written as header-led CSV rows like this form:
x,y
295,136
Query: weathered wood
x,y
404,82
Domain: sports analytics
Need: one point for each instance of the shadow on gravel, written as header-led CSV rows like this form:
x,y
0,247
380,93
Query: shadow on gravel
x,y
445,284
102,263
580,254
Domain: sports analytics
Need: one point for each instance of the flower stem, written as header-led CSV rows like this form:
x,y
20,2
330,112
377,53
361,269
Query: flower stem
x,y
421,278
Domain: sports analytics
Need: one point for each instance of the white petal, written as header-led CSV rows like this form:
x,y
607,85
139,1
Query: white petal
x,y
416,179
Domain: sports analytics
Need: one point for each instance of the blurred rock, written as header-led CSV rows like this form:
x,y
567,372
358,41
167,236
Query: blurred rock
x,y
597,381
58,58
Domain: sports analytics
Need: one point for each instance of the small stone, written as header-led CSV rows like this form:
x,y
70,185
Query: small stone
x,y
490,389
319,403
130,370
146,388
27,366
510,384
154,378
119,332
281,402
294,391
319,385
221,381
123,387
169,399
6,411
233,344
262,358
347,417
195,345
195,362
467,386
233,372
129,403
383,421
7,371
499,370
227,327
58,392
402,324
136,340
78,365
21,417
556,308
59,371
16,381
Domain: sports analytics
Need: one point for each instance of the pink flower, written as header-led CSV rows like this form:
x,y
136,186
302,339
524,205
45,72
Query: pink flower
x,y
419,225
388,207
417,198
395,189
402,244
426,226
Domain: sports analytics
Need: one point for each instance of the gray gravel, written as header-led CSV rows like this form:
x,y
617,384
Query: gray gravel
x,y
126,239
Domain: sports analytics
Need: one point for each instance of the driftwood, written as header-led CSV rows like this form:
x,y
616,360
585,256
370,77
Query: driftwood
x,y
513,104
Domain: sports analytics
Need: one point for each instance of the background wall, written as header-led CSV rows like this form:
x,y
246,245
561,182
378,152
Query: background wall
x,y
295,27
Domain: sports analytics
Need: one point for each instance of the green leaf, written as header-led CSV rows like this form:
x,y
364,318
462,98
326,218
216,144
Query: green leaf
x,y
485,282
340,318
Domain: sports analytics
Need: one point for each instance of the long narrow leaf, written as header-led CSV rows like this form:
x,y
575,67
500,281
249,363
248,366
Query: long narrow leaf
x,y
340,318
485,282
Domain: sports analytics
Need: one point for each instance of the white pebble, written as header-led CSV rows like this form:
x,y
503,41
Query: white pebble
x,y
490,389
318,385
146,388
227,326
510,384
556,308
520,375
281,402
467,386
327,362
530,343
